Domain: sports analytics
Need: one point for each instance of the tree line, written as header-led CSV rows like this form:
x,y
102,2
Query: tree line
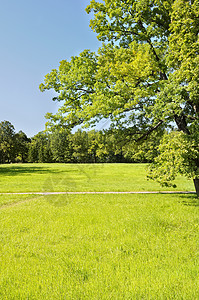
x,y
62,146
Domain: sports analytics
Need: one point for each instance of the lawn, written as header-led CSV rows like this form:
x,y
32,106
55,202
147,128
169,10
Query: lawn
x,y
80,177
96,246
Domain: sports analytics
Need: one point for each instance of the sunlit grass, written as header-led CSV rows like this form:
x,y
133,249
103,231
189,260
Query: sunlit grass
x,y
99,247
80,177
95,246
9,200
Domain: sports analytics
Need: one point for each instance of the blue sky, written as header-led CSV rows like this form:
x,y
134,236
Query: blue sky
x,y
35,36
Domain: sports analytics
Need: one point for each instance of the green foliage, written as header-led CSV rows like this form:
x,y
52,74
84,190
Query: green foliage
x,y
183,55
121,80
96,145
145,151
169,161
21,147
13,146
144,77
114,87
39,149
7,135
92,146
123,21
60,146
177,155
80,146
74,83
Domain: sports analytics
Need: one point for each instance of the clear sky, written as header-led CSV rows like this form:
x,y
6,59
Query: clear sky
x,y
35,36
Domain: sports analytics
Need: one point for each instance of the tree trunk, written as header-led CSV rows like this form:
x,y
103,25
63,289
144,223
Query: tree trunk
x,y
196,183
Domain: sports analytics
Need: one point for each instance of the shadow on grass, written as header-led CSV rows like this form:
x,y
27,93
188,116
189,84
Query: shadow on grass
x,y
13,170
190,200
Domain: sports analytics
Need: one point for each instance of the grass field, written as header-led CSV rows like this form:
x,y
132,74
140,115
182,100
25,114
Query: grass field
x,y
80,177
96,246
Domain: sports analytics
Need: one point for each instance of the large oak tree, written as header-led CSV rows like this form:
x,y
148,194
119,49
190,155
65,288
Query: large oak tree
x,y
145,76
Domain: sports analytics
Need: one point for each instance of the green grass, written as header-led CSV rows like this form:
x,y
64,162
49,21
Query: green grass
x,y
99,247
80,177
10,200
96,246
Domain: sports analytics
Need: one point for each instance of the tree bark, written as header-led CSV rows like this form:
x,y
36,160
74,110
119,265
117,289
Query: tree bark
x,y
196,184
182,123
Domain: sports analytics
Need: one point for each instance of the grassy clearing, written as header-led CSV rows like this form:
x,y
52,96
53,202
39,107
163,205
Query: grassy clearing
x,y
95,246
100,247
10,200
81,177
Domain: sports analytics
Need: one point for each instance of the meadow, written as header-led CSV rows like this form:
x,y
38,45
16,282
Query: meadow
x,y
81,177
117,246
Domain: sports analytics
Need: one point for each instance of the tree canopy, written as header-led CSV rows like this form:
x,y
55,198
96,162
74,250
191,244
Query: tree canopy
x,y
144,77
13,146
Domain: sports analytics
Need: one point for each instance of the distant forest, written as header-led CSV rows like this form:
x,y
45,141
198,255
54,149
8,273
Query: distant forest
x,y
62,146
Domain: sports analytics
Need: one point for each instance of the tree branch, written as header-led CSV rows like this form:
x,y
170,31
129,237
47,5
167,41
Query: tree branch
x,y
145,135
163,75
